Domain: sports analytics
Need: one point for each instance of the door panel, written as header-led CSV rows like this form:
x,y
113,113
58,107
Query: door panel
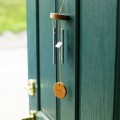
x,y
97,59
47,69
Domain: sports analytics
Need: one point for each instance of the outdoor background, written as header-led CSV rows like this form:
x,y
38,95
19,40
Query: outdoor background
x,y
13,60
12,15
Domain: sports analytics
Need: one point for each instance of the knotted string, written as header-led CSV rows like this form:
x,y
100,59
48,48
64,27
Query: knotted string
x,y
61,8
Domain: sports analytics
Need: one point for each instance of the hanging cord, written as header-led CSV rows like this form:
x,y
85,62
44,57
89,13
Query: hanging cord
x,y
53,23
61,8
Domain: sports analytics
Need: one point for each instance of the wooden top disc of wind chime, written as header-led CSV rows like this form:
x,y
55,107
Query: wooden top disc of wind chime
x,y
59,16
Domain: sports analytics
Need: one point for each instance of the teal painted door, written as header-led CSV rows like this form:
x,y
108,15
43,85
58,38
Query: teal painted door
x,y
40,58
90,67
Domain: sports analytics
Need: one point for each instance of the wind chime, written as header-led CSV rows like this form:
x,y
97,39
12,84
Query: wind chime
x,y
58,19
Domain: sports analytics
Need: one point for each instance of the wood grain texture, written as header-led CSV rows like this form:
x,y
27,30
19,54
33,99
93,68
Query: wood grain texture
x,y
32,49
47,69
97,59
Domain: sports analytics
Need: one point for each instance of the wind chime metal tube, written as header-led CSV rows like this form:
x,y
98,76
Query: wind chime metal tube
x,y
54,43
60,43
62,47
54,40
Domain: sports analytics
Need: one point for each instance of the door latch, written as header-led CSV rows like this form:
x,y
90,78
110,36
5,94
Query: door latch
x,y
31,87
31,116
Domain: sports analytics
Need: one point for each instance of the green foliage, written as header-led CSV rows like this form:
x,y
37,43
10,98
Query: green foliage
x,y
12,15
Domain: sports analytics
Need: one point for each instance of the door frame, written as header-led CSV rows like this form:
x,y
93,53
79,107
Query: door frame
x,y
33,51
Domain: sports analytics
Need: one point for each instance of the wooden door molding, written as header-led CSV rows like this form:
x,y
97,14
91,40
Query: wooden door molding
x,y
117,69
33,51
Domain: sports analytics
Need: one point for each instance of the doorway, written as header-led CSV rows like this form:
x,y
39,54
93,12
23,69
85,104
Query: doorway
x,y
13,60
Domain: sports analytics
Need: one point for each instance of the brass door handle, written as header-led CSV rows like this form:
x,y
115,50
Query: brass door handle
x,y
31,116
31,87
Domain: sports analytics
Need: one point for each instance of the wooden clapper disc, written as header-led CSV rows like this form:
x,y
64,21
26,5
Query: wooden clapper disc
x,y
59,90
